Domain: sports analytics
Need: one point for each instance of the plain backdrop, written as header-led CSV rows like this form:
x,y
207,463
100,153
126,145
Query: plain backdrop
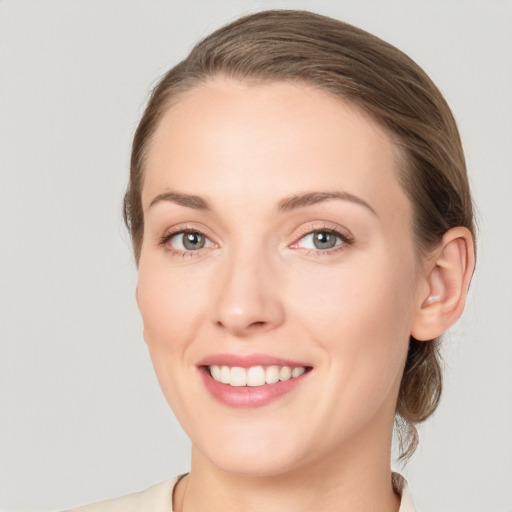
x,y
81,414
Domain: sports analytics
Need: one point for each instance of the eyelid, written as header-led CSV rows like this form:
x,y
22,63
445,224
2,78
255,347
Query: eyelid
x,y
164,240
172,238
344,234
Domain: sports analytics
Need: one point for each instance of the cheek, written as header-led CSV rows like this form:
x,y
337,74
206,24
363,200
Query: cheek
x,y
172,313
360,315
368,295
169,303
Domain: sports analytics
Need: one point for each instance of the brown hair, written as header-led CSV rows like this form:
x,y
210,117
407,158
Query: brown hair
x,y
358,67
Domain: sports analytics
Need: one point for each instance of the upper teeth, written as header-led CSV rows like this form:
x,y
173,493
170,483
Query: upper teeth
x,y
255,375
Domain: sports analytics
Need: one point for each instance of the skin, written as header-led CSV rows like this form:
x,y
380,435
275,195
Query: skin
x,y
260,286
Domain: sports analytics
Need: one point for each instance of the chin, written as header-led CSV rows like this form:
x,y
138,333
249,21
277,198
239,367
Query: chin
x,y
256,455
256,465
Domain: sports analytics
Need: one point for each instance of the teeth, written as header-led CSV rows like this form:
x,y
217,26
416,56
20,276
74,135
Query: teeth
x,y
297,372
215,371
225,374
285,373
238,377
272,374
255,375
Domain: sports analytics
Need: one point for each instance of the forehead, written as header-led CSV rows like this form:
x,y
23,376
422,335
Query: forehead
x,y
228,137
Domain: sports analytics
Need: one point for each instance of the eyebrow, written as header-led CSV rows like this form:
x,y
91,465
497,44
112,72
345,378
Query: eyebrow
x,y
311,198
284,205
188,200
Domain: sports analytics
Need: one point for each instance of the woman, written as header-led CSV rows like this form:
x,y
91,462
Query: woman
x,y
302,224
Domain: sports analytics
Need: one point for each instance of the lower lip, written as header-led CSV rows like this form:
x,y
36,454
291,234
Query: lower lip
x,y
249,396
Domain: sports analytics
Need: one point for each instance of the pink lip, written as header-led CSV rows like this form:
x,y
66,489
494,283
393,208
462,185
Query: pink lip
x,y
247,396
246,361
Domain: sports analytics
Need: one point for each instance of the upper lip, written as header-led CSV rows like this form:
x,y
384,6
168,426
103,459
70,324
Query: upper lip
x,y
248,360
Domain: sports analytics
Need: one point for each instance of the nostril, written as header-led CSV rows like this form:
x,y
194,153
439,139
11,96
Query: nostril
x,y
257,324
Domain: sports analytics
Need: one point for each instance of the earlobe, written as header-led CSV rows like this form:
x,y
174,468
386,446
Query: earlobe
x,y
448,274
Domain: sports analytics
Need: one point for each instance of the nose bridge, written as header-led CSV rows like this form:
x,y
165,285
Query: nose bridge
x,y
248,297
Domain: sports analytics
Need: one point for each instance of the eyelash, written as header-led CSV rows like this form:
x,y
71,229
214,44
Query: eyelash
x,y
164,241
346,240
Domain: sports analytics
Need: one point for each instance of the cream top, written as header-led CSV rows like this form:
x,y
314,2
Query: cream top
x,y
158,498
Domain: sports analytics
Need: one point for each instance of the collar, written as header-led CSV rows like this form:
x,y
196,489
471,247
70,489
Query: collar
x,y
159,497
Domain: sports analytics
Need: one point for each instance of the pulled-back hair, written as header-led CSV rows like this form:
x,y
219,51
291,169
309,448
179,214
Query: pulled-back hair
x,y
302,47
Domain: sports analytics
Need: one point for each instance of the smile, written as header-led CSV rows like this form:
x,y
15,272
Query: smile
x,y
254,376
247,381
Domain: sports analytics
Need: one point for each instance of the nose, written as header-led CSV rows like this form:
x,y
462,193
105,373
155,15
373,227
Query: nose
x,y
248,299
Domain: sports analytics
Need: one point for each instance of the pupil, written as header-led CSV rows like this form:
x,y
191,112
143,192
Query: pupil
x,y
193,241
324,240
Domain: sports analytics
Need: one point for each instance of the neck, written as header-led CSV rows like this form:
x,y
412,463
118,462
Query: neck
x,y
344,481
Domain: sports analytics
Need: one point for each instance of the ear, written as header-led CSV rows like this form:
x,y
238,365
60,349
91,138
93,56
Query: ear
x,y
447,276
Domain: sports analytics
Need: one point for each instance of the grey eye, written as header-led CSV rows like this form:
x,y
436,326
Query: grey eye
x,y
189,241
322,240
193,241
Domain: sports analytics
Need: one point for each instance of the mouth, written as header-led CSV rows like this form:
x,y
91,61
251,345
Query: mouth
x,y
251,381
254,376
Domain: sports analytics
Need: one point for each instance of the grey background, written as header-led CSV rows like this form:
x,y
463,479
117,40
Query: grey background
x,y
81,415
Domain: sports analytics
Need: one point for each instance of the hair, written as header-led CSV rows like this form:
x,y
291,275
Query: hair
x,y
376,77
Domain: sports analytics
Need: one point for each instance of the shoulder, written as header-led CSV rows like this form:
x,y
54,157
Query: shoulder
x,y
157,498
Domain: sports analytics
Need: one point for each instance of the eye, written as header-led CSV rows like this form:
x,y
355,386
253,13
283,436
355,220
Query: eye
x,y
187,241
322,240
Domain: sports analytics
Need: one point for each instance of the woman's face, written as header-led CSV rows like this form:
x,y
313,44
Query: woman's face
x,y
277,240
